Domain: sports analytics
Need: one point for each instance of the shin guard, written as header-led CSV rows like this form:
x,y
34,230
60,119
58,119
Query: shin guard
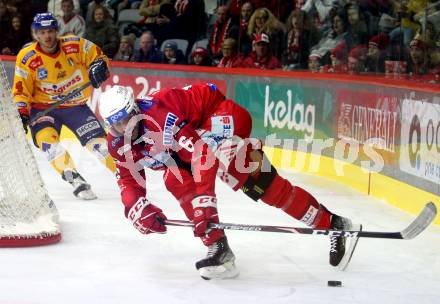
x,y
98,147
48,141
297,202
184,194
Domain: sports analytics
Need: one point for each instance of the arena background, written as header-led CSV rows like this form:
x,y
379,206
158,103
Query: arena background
x,y
380,135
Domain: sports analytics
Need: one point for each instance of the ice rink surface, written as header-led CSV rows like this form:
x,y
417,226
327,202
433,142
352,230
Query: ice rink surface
x,y
103,259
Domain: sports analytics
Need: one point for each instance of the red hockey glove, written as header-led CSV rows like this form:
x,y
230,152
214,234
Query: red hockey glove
x,y
205,212
146,217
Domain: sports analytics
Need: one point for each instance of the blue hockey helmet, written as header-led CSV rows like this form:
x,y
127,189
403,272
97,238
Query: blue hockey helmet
x,y
44,21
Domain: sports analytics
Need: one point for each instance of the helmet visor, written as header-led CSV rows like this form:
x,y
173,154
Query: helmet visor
x,y
119,127
117,117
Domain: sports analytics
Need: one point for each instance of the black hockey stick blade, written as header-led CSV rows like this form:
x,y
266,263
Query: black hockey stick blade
x,y
60,102
419,224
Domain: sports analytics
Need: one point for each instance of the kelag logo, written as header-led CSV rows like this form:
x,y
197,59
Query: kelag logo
x,y
291,114
420,139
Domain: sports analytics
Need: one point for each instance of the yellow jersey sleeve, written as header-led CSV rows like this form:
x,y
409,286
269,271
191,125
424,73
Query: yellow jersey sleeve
x,y
23,85
92,52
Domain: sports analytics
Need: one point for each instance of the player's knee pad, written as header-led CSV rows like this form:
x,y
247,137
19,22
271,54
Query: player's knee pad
x,y
47,140
47,135
261,178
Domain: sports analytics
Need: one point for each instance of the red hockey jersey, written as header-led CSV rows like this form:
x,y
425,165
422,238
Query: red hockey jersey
x,y
168,140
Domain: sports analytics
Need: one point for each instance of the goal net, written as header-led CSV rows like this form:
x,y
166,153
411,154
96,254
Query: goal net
x,y
28,217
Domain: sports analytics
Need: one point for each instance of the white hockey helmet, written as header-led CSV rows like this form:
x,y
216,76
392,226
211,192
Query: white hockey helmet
x,y
116,104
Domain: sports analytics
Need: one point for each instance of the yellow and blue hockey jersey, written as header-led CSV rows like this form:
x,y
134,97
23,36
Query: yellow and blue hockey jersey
x,y
41,79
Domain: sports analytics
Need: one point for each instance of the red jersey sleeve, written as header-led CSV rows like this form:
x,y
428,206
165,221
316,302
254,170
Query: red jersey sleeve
x,y
130,173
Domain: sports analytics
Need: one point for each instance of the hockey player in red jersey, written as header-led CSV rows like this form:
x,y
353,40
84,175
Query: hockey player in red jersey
x,y
195,133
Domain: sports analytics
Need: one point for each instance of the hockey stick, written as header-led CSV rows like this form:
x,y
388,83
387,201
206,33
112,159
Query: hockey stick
x,y
419,224
60,102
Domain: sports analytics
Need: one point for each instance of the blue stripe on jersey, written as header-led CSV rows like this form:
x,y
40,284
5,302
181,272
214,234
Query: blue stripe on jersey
x,y
212,86
145,104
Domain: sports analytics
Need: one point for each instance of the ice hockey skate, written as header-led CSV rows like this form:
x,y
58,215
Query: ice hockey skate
x,y
81,189
219,263
341,248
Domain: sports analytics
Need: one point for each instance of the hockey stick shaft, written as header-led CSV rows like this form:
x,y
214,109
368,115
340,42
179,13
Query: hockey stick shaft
x,y
60,102
419,224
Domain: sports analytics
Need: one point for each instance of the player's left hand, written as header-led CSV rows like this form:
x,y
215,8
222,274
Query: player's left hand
x,y
98,72
205,212
25,122
146,217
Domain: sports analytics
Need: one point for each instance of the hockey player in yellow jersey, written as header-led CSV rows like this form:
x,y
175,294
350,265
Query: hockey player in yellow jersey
x,y
46,71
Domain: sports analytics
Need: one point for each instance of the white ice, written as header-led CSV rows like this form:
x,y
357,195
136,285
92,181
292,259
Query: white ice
x,y
103,259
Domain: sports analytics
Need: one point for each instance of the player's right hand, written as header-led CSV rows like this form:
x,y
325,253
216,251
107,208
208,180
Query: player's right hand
x,y
98,72
146,217
25,121
205,212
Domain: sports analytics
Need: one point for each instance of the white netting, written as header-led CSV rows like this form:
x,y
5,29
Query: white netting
x,y
26,210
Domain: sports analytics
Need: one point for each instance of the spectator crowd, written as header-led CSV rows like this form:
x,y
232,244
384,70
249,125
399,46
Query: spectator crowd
x,y
391,37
